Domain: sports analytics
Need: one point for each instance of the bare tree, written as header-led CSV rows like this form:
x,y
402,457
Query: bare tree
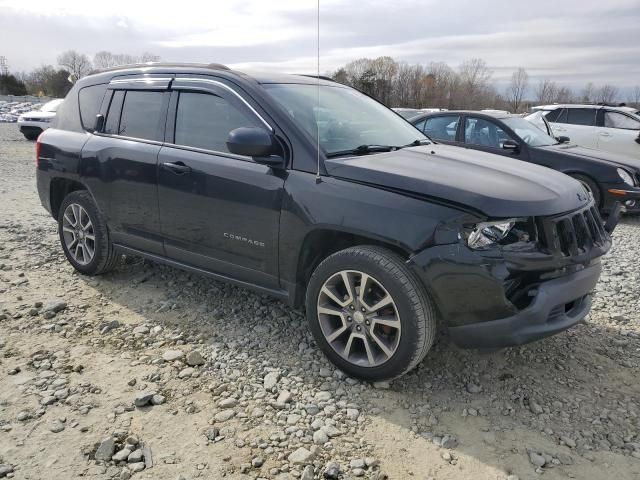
x,y
474,76
588,93
77,64
517,89
607,94
104,59
634,99
546,92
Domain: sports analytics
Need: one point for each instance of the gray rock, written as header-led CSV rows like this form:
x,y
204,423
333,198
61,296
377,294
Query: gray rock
x,y
449,441
568,441
224,415
307,473
323,396
122,455
144,398
211,433
535,407
141,330
320,437
301,456
195,358
158,399
187,372
331,431
473,388
536,459
55,306
125,474
331,471
172,355
228,403
352,414
284,397
271,380
136,467
136,456
105,450
56,427
257,462
5,470
357,463
358,472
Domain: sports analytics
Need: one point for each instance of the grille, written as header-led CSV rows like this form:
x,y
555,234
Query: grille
x,y
575,233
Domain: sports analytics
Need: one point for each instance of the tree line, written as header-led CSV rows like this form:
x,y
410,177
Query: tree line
x,y
57,80
470,86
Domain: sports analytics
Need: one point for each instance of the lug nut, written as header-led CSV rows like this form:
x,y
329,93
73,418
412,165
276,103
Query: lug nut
x,y
349,319
363,309
358,327
366,322
352,307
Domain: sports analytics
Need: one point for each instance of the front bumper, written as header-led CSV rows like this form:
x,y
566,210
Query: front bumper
x,y
558,305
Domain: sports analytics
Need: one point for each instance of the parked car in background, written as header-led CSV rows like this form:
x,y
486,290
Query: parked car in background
x,y
603,127
381,235
608,177
34,122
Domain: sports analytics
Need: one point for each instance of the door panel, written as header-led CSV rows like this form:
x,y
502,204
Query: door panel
x,y
222,215
122,174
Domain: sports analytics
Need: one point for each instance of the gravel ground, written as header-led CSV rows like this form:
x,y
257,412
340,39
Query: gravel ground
x,y
157,374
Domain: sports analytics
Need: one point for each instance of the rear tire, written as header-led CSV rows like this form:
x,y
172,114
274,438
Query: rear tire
x,y
84,235
32,135
377,335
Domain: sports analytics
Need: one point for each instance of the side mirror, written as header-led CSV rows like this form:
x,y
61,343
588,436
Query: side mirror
x,y
254,142
99,125
563,139
510,145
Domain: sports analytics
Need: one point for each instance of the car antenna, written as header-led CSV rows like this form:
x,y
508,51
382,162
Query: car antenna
x,y
318,179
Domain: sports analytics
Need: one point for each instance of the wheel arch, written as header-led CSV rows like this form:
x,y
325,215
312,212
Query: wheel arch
x,y
319,243
573,172
59,189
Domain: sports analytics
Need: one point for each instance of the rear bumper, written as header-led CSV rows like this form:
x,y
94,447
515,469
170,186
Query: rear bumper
x,y
558,305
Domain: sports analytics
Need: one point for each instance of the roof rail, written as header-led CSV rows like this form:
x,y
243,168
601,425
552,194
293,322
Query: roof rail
x,y
321,77
213,66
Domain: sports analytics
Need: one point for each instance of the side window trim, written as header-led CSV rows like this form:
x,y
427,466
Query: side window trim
x,y
215,83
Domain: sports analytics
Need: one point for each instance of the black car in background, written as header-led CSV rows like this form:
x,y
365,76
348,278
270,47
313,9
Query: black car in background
x,y
609,177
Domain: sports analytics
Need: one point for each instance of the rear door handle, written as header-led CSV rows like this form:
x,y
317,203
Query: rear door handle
x,y
605,134
177,167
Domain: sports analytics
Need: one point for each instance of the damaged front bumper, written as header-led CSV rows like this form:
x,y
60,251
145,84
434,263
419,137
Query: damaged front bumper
x,y
518,293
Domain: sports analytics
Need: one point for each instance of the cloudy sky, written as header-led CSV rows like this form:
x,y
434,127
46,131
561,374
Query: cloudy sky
x,y
570,41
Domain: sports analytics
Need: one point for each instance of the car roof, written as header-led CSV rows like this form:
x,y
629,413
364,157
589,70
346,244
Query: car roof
x,y
555,106
203,68
493,114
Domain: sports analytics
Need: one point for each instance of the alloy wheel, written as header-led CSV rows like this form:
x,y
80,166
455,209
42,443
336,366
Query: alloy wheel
x,y
78,233
359,318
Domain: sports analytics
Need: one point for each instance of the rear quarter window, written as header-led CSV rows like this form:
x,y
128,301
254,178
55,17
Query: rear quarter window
x,y
90,99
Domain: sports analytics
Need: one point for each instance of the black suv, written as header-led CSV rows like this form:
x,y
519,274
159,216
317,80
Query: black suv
x,y
381,234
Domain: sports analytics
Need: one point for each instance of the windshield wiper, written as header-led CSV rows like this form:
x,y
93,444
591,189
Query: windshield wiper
x,y
363,150
417,143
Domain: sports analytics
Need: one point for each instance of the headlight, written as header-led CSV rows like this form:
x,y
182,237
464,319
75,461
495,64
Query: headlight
x,y
625,176
486,234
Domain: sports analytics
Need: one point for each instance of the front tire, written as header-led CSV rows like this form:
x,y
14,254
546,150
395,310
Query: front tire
x,y
32,135
369,313
84,235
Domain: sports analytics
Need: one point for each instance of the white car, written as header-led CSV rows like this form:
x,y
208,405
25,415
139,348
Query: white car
x,y
602,127
34,122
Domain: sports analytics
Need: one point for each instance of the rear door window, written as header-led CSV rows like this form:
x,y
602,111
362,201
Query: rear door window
x,y
442,127
141,115
620,120
204,121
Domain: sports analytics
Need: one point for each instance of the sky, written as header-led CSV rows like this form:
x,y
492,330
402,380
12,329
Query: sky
x,y
572,41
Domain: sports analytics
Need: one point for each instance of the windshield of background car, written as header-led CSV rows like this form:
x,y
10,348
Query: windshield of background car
x,y
529,133
345,117
51,106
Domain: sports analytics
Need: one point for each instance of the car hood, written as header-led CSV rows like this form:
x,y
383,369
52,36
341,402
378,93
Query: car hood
x,y
600,156
499,187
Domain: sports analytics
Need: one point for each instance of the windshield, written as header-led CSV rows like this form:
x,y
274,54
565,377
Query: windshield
x,y
529,133
346,119
51,106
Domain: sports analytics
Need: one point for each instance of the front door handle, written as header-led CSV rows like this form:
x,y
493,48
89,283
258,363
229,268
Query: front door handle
x,y
177,167
605,134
